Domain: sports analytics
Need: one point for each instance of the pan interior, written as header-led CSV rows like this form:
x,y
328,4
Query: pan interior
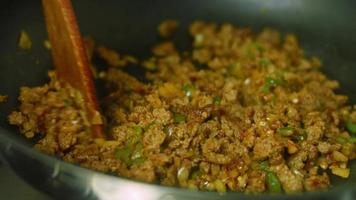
x,y
325,29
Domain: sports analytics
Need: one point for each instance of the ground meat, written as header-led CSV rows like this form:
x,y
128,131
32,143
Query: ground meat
x,y
297,161
265,147
167,28
256,182
144,172
317,182
211,150
315,126
3,98
290,182
55,111
153,138
112,58
239,111
324,147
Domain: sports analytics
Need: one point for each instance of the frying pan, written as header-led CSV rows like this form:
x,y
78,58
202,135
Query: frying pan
x,y
326,28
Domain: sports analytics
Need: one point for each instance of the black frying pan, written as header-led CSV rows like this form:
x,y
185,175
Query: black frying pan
x,y
326,28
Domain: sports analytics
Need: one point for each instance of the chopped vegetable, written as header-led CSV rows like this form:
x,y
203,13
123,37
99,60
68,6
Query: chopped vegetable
x,y
138,135
149,126
258,46
217,100
352,140
271,83
273,183
344,173
138,130
25,42
124,155
272,180
285,131
338,156
137,156
179,118
132,152
196,173
188,90
341,140
264,62
264,166
351,127
300,137
138,161
198,40
183,175
292,147
220,186
138,152
235,69
254,48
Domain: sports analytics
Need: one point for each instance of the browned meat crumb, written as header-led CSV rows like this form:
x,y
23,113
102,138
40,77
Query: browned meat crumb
x,y
113,59
317,182
3,98
167,28
55,112
239,111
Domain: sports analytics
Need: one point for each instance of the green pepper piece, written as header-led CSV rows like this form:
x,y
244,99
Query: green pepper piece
x,y
351,127
352,140
285,131
67,102
196,174
270,83
137,137
138,161
273,183
149,126
179,118
258,46
235,70
341,140
137,156
124,155
264,62
217,100
138,130
264,166
138,152
254,48
188,90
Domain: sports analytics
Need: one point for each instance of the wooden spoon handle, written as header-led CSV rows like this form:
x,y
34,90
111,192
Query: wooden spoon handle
x,y
69,56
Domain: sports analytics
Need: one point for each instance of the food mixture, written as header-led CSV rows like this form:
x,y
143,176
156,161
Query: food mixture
x,y
3,98
238,112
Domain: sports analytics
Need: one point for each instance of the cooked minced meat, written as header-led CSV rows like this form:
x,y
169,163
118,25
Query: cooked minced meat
x,y
238,112
3,98
167,28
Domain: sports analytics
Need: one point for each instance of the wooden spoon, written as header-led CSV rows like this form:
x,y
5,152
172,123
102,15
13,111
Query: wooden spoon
x,y
70,58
